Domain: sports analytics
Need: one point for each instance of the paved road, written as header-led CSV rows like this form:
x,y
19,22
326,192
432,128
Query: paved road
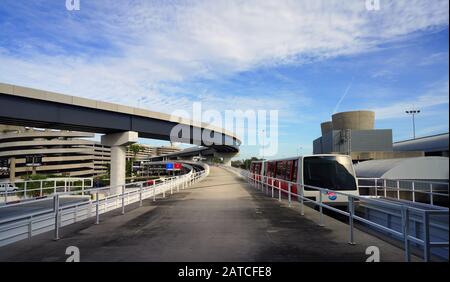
x,y
38,206
218,219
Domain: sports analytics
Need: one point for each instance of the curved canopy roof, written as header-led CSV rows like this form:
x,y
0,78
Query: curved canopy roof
x,y
425,168
427,144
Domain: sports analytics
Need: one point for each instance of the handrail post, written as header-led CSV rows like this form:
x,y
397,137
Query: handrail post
x,y
351,211
260,183
398,189
279,190
154,190
257,182
426,236
97,208
263,185
320,209
271,187
140,194
25,190
123,199
164,188
57,219
82,187
40,188
30,227
405,231
385,190
302,208
413,192
289,190
431,194
376,187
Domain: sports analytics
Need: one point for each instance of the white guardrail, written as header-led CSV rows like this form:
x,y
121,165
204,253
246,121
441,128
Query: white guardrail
x,y
30,224
409,214
35,189
407,189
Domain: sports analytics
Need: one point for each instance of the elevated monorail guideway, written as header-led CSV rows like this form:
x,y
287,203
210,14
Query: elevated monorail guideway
x,y
121,124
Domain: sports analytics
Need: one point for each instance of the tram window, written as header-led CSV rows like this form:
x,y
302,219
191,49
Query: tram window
x,y
281,170
294,171
288,173
329,172
268,170
273,169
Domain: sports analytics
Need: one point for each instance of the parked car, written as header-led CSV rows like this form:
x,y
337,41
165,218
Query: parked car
x,y
8,187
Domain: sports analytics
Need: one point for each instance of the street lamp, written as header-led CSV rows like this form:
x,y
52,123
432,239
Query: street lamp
x,y
413,113
299,148
263,135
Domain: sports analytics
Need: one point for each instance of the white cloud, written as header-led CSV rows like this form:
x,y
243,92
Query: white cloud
x,y
160,44
436,58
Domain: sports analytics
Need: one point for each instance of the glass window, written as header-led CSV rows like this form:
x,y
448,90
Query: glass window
x,y
273,169
281,170
331,172
294,171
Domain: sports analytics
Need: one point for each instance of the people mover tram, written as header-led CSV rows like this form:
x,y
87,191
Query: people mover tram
x,y
333,172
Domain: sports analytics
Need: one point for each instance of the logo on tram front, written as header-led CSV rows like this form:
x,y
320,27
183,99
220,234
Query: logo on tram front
x,y
332,196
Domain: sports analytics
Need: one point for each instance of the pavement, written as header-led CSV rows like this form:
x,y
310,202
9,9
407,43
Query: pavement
x,y
219,219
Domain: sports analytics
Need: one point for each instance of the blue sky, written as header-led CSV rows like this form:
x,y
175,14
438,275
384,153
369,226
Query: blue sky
x,y
306,59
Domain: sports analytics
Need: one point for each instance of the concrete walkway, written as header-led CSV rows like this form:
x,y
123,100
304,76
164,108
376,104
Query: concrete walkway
x,y
218,219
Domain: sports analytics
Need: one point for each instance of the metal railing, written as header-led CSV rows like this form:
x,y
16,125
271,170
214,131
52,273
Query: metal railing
x,y
261,182
99,201
34,189
406,189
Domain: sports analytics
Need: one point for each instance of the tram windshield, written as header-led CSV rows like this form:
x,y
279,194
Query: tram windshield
x,y
331,172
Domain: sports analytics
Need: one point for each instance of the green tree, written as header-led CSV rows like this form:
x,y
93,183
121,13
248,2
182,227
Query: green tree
x,y
135,149
244,164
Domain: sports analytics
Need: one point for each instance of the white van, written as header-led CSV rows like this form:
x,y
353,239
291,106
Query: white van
x,y
8,187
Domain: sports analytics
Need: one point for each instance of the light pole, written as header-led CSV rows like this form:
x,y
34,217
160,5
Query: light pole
x,y
299,148
413,113
263,143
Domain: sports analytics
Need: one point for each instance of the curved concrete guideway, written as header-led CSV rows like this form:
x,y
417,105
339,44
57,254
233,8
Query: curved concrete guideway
x,y
219,219
122,125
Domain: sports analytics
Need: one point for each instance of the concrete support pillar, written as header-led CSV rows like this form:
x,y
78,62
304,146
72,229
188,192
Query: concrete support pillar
x,y
226,161
118,167
12,169
118,143
226,157
209,159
